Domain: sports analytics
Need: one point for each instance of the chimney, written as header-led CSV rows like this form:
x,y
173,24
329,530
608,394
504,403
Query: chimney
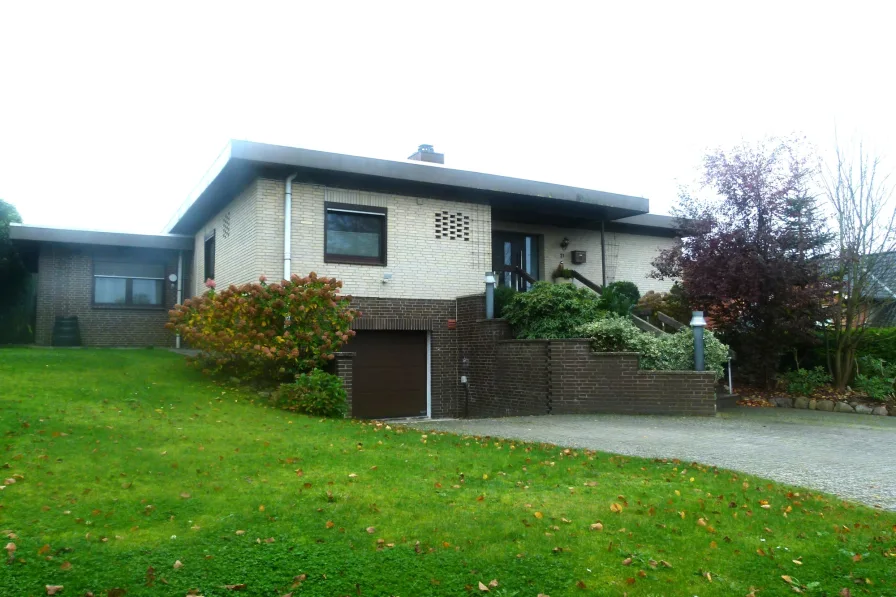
x,y
426,153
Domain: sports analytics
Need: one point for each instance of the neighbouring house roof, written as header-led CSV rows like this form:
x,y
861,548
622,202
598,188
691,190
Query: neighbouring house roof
x,y
25,233
882,276
243,161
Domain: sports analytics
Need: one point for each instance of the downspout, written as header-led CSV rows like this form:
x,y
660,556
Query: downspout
x,y
603,257
180,288
287,228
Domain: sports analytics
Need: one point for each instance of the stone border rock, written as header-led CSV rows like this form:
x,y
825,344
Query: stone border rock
x,y
837,406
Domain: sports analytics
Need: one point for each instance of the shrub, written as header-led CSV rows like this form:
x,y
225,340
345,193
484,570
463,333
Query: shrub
x,y
552,311
316,393
879,343
626,289
875,377
670,303
561,272
266,331
669,352
876,388
619,297
503,295
804,382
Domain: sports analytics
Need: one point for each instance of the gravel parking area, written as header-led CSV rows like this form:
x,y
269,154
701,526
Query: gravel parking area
x,y
852,456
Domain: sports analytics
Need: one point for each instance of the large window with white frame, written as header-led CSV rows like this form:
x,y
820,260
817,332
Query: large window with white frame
x,y
128,284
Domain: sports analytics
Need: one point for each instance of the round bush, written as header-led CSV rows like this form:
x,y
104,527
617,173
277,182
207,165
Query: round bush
x,y
266,331
552,311
316,393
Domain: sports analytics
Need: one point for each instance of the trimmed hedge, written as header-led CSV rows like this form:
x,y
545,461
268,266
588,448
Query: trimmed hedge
x,y
549,311
879,343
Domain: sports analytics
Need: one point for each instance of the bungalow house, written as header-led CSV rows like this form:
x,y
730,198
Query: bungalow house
x,y
407,238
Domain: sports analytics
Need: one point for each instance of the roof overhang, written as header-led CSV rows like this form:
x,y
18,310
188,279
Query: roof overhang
x,y
42,234
243,161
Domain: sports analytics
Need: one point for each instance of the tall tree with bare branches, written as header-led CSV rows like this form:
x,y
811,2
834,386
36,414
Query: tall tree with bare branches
x,y
860,193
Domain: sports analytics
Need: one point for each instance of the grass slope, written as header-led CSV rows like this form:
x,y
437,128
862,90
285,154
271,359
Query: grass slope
x,y
129,462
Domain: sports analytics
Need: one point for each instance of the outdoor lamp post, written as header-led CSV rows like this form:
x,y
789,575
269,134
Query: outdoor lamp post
x,y
489,295
697,324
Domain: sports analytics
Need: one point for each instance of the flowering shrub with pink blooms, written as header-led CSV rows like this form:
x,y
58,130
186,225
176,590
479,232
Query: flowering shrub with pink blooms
x,y
266,332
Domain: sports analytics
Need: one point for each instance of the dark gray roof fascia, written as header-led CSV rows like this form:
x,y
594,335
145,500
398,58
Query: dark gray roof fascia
x,y
650,221
414,172
43,234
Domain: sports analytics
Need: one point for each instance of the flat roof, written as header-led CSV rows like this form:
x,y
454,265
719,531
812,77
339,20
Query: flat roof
x,y
45,234
242,161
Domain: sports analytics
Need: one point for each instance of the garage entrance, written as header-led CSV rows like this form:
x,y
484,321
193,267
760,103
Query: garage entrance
x,y
389,374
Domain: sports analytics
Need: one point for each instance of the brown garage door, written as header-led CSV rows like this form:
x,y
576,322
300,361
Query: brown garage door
x,y
389,374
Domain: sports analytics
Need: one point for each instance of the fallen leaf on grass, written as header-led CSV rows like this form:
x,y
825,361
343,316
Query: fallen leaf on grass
x,y
581,584
238,587
627,562
241,532
787,579
66,566
53,589
330,524
596,527
178,565
797,562
665,563
857,557
614,507
371,530
482,587
538,515
493,583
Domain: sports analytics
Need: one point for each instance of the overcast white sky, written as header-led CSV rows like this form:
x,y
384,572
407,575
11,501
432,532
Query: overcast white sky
x,y
110,114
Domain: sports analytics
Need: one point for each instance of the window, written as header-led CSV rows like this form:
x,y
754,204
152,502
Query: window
x,y
355,234
210,256
124,284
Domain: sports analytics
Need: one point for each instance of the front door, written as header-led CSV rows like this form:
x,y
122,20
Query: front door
x,y
514,248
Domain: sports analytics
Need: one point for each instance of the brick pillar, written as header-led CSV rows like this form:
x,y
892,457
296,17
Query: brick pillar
x,y
343,368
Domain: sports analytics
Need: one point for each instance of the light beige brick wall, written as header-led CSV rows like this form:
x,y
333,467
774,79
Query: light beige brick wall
x,y
236,239
421,265
629,256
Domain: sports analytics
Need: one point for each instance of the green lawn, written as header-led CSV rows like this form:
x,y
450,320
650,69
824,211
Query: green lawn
x,y
127,462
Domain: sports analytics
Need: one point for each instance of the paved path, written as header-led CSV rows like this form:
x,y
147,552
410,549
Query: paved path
x,y
853,456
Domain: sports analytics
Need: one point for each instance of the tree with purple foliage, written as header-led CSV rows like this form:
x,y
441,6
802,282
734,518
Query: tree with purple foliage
x,y
751,251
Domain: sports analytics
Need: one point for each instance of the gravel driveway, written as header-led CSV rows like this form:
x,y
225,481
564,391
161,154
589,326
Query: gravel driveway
x,y
853,456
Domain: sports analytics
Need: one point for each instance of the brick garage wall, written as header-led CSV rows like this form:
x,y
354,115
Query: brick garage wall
x,y
421,314
583,381
522,378
65,289
481,366
531,377
343,367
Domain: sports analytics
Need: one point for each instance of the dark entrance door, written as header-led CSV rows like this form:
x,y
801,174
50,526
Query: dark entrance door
x,y
514,248
388,374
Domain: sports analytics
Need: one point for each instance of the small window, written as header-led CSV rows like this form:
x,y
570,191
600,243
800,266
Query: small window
x,y
355,234
210,256
124,284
